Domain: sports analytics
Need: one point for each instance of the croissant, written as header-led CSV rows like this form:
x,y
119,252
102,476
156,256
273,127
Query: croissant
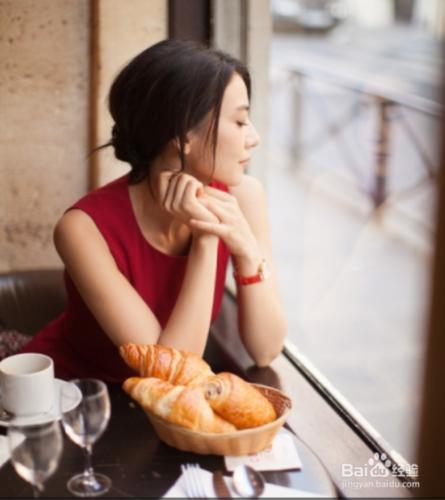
x,y
237,401
185,406
166,363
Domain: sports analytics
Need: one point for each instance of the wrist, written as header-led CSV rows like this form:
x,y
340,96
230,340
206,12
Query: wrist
x,y
248,263
203,241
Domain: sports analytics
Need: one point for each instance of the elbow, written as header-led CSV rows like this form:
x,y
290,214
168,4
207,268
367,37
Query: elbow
x,y
263,362
264,359
265,351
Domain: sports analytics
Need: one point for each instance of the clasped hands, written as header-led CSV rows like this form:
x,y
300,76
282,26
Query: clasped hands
x,y
207,210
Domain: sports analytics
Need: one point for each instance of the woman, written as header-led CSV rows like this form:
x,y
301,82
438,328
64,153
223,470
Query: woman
x,y
146,255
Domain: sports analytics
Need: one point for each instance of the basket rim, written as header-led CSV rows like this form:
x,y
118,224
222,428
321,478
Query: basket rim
x,y
237,433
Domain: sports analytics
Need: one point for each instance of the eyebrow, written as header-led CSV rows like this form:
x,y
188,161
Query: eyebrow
x,y
243,107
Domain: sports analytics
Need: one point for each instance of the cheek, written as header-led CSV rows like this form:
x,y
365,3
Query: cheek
x,y
230,141
201,155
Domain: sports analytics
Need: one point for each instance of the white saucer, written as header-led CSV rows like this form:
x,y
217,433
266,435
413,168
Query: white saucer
x,y
54,413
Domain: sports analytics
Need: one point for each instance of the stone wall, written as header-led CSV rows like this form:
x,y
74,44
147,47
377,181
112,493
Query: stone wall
x,y
46,110
123,29
44,47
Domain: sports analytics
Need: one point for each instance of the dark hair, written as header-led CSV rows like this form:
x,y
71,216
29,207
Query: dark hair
x,y
163,93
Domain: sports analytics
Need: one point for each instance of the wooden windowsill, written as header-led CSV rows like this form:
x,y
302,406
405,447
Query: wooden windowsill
x,y
313,419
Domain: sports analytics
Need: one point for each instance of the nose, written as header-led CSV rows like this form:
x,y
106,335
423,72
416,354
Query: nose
x,y
252,138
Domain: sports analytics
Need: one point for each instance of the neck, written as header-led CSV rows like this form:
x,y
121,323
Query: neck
x,y
159,227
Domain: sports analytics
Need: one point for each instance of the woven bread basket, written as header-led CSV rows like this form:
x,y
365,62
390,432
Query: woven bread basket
x,y
240,442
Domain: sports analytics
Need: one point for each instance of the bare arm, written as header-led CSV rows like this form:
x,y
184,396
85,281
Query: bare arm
x,y
117,306
244,227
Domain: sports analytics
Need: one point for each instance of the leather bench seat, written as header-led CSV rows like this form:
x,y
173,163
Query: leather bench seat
x,y
30,299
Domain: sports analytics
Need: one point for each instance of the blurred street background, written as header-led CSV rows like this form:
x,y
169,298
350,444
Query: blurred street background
x,y
353,154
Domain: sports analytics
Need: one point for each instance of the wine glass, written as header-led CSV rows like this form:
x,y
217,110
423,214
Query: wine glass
x,y
84,424
35,451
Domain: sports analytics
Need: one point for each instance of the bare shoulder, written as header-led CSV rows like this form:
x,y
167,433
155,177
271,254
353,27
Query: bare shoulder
x,y
74,228
250,192
73,221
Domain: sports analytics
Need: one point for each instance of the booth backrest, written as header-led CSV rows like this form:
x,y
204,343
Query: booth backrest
x,y
30,299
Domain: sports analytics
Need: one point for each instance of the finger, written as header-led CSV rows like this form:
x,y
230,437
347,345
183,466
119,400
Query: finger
x,y
170,192
183,181
162,182
166,175
200,192
181,187
201,213
192,192
199,210
218,208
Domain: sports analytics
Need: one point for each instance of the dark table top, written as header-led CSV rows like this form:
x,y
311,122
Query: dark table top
x,y
142,466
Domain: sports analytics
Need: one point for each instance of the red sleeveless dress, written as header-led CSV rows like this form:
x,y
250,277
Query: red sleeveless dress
x,y
75,341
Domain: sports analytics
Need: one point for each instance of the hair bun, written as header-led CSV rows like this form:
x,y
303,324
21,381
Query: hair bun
x,y
123,149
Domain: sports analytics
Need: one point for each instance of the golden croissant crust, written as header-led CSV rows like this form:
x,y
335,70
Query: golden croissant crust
x,y
169,364
237,401
180,387
180,405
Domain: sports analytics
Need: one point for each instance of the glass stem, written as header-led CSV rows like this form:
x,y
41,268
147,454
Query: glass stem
x,y
35,490
88,472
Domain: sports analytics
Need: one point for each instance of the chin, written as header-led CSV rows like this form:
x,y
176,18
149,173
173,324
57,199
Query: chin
x,y
232,180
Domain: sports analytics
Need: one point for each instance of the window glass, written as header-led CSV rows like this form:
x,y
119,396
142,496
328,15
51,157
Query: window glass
x,y
354,121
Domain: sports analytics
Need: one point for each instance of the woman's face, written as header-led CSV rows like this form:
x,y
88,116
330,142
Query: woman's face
x,y
236,137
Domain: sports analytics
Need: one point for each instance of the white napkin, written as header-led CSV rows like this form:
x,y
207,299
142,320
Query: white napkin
x,y
4,451
270,491
281,455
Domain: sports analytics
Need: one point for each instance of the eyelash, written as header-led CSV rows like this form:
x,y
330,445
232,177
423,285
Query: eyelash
x,y
242,124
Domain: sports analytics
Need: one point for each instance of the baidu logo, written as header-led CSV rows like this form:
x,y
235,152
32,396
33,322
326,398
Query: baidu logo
x,y
379,471
377,466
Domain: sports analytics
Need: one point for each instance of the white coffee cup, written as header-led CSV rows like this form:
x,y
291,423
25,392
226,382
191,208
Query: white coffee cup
x,y
27,384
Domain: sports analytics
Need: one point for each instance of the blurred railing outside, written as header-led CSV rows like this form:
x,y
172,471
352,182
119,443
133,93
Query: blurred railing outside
x,y
354,120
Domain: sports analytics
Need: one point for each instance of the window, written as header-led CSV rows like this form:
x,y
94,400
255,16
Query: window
x,y
354,121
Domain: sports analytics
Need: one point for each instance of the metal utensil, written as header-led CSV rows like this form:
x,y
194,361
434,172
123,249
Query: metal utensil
x,y
220,486
247,481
